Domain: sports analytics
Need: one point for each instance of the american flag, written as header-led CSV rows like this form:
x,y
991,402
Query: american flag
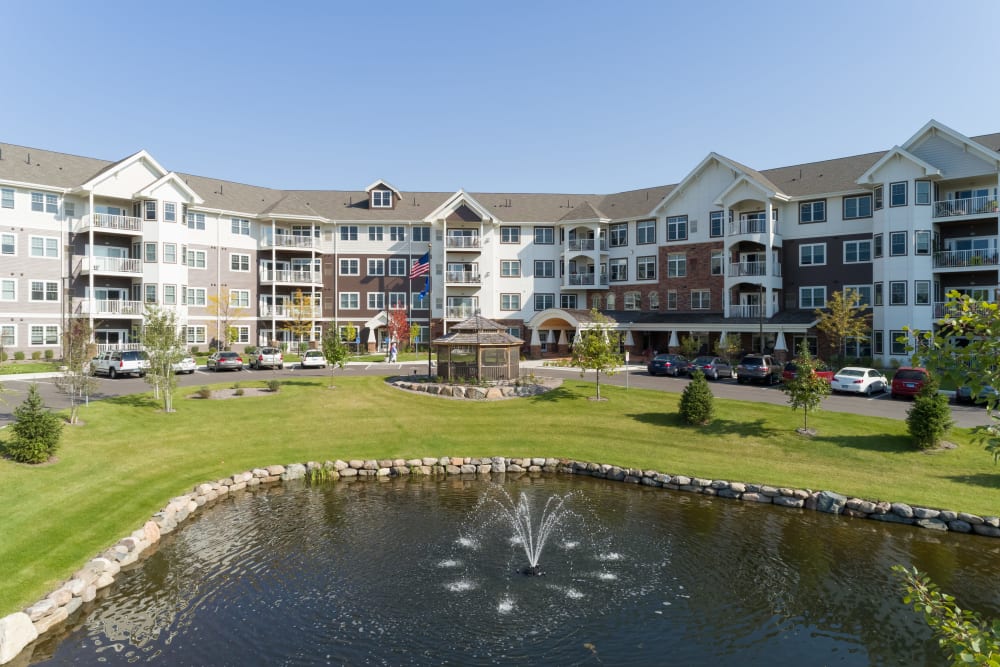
x,y
422,267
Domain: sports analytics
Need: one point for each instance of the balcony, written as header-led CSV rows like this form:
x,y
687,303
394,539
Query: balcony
x,y
950,259
112,347
109,308
462,242
747,226
585,279
105,222
291,242
121,266
462,277
463,312
966,206
941,309
584,245
282,312
745,269
290,277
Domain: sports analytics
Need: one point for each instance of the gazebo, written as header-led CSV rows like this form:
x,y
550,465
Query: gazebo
x,y
478,348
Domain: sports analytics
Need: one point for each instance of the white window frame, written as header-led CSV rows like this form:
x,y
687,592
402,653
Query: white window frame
x,y
48,333
922,242
632,300
510,268
418,302
150,292
197,296
13,284
421,234
149,252
149,210
239,298
376,300
48,288
397,300
6,197
350,301
197,259
376,266
196,221
169,295
8,335
348,232
811,303
169,253
397,233
618,270
242,333
381,198
397,266
196,334
376,233
807,254
350,266
717,263
12,244
866,294
676,265
169,211
239,226
701,299
49,248
645,267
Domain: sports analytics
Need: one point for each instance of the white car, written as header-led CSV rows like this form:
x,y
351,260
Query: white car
x,y
313,359
186,365
858,380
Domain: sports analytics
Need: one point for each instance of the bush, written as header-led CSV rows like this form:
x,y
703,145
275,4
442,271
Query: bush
x,y
205,392
930,417
36,355
49,354
194,349
19,356
3,356
238,391
273,385
696,405
35,431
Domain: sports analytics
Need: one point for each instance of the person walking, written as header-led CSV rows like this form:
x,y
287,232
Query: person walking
x,y
393,350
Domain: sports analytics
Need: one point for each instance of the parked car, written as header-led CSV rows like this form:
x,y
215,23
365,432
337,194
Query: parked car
x,y
121,362
667,364
858,380
267,357
186,365
822,371
713,367
758,368
964,394
230,361
908,382
313,359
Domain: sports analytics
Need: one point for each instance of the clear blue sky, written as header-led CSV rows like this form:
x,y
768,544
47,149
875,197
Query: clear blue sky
x,y
505,96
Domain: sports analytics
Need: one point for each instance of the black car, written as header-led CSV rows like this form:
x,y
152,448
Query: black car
x,y
667,364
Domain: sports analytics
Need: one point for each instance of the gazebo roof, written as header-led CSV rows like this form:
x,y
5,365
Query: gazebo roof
x,y
478,330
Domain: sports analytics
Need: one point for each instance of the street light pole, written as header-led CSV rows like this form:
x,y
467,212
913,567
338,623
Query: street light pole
x,y
760,316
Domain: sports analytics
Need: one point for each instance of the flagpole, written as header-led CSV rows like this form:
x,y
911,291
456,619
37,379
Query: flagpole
x,y
430,336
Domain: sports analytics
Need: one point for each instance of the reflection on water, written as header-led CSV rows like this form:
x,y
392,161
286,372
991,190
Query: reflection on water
x,y
404,572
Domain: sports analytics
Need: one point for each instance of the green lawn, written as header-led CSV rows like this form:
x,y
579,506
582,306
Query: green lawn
x,y
129,459
22,367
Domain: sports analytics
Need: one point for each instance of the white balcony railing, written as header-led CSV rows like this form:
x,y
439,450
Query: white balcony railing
x,y
580,245
965,258
111,347
462,241
748,311
739,269
466,277
290,277
585,279
941,309
291,312
460,312
965,206
745,226
291,241
111,265
112,223
110,307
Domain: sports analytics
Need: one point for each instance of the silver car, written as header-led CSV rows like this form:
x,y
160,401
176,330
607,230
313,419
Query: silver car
x,y
224,361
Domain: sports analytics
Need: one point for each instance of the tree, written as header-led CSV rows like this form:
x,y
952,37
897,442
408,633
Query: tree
x,y
76,381
697,405
689,347
350,333
35,432
728,348
335,350
843,317
399,327
807,389
225,312
596,348
162,339
930,417
414,335
301,316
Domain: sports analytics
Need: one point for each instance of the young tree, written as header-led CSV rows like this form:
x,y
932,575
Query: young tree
x,y
301,316
399,327
76,381
225,312
35,431
350,334
334,349
930,417
596,348
689,347
697,406
165,346
843,317
807,390
728,348
414,335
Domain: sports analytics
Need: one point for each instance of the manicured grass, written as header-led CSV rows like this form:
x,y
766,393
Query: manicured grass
x,y
129,459
22,367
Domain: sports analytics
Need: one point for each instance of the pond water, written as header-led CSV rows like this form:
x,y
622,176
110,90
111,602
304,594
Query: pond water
x,y
413,571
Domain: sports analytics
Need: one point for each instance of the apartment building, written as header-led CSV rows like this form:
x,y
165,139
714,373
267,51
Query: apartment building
x,y
729,252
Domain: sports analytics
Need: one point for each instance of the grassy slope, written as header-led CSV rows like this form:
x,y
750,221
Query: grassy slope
x,y
129,458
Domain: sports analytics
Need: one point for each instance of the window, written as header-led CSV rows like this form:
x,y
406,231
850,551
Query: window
x,y
37,201
677,228
44,290
857,207
170,253
897,293
196,259
877,341
567,301
812,211
149,210
864,294
922,292
69,209
397,233
44,334
196,334
397,300
8,245
878,198
242,334
545,301
857,348
812,297
676,265
170,295
877,294
510,234
619,234
7,197
545,235
897,243
922,242
350,300
52,204
645,267
8,289
611,301
44,246
671,300
897,342
510,268
701,299
922,193
812,254
654,300
877,246
350,267
150,292
7,335
857,251
349,233
718,257
381,198
376,267
715,227
169,211
196,221
397,266
376,300
375,232
419,302
632,300
240,226
645,232
510,302
545,268
238,262
619,269
149,254
897,194
422,234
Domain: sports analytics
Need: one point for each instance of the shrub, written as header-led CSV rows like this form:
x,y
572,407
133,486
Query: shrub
x,y
238,391
930,417
205,392
50,354
19,356
194,349
3,356
696,404
36,355
35,431
273,385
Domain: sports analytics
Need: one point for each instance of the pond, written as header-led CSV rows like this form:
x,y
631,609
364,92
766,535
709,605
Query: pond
x,y
415,571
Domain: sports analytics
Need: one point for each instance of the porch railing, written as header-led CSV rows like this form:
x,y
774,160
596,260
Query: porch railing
x,y
462,277
978,257
111,265
462,241
110,307
965,206
107,221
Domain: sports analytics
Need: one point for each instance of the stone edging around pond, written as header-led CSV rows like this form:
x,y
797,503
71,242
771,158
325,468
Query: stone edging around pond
x,y
21,628
473,392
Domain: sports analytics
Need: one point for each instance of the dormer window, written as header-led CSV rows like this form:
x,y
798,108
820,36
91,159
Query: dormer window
x,y
381,198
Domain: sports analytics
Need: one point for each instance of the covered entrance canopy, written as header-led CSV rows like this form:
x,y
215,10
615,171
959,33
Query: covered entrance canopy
x,y
479,349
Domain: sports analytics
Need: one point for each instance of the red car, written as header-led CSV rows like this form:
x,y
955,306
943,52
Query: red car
x,y
908,382
822,371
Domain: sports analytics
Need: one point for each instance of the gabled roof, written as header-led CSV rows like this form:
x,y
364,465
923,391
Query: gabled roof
x,y
141,156
382,185
175,180
899,153
582,212
933,127
456,201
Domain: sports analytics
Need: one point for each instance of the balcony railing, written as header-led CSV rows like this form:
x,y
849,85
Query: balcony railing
x,y
738,269
964,258
291,312
291,241
111,347
460,312
111,223
110,307
747,311
941,309
466,277
290,277
462,241
585,279
965,206
580,245
111,265
745,226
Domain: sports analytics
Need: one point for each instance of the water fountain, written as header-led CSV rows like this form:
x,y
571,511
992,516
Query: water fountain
x,y
531,535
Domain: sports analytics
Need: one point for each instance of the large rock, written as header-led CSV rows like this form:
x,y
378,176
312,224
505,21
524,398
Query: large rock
x,y
16,632
830,502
